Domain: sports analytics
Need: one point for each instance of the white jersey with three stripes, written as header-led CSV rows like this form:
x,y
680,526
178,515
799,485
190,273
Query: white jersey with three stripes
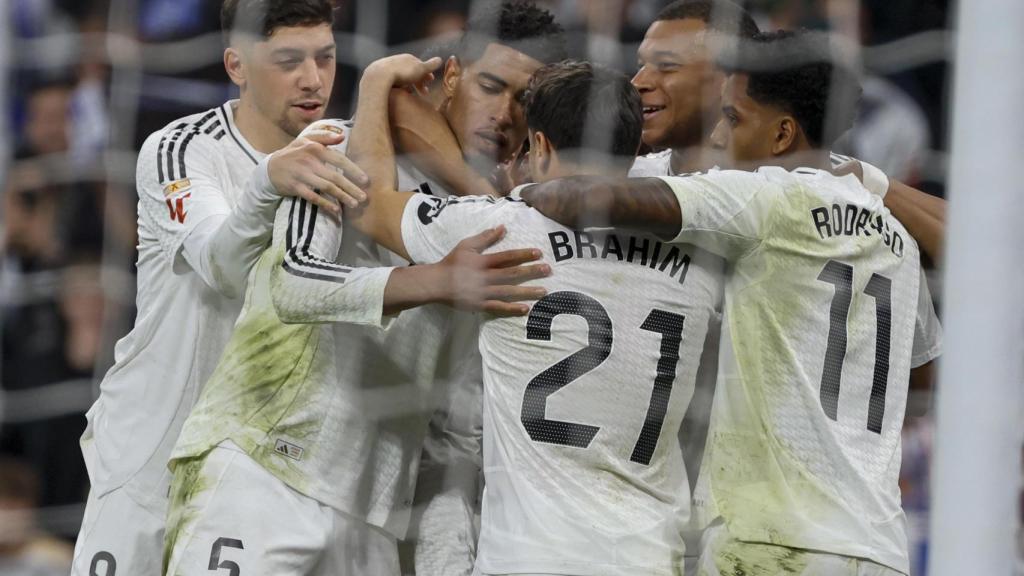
x,y
192,170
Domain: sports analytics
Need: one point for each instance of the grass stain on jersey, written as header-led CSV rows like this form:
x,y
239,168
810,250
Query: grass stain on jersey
x,y
262,377
759,473
187,484
743,559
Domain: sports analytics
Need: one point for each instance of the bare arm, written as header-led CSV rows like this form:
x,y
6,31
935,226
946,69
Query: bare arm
x,y
422,134
923,215
372,148
646,204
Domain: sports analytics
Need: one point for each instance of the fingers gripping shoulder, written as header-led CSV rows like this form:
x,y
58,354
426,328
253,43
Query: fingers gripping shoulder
x,y
334,125
178,179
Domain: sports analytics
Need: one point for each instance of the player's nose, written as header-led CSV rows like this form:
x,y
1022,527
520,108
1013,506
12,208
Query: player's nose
x,y
642,80
720,135
310,78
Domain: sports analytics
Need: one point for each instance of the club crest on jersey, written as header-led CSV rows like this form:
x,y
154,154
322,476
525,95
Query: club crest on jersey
x,y
176,207
288,449
430,209
177,186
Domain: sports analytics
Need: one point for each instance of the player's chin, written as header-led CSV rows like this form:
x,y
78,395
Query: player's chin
x,y
653,136
294,123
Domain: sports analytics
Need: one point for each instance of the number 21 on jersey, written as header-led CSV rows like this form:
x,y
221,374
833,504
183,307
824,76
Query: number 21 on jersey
x,y
600,337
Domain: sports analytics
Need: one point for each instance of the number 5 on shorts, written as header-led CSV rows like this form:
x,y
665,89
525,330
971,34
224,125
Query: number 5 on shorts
x,y
215,561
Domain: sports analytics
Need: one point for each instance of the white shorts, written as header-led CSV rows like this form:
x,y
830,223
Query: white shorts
x,y
723,555
228,513
118,536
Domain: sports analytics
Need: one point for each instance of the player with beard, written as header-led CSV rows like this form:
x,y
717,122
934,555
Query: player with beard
x,y
824,322
208,189
379,387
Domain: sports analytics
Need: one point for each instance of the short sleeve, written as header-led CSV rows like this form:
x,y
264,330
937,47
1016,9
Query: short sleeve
x,y
928,330
179,185
723,211
432,226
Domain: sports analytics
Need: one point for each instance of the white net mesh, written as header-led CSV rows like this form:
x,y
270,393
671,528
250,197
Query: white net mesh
x,y
85,83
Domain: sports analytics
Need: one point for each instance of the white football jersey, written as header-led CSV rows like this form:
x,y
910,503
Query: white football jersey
x,y
312,386
583,399
653,164
826,312
193,169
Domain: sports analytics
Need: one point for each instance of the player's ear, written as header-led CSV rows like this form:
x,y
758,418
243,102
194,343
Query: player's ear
x,y
543,160
234,65
787,132
452,71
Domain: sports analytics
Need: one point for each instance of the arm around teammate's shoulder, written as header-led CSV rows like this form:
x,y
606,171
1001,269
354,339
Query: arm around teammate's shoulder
x,y
579,202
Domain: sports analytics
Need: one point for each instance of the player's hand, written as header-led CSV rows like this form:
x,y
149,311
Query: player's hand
x,y
849,167
403,70
307,168
492,282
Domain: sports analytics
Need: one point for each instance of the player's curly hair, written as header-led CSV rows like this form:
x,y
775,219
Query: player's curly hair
x,y
804,74
579,105
518,24
718,15
261,17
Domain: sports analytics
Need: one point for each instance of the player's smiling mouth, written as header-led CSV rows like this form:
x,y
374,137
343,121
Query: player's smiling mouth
x,y
651,111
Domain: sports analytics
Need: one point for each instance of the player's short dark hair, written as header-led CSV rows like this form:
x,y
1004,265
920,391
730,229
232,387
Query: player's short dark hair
x,y
518,24
260,18
580,106
718,15
804,74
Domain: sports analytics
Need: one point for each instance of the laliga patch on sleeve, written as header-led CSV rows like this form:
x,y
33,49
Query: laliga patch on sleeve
x,y
177,186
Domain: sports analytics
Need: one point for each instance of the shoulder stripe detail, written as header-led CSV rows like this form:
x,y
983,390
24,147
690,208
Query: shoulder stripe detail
x,y
186,129
298,238
227,126
219,135
184,144
160,153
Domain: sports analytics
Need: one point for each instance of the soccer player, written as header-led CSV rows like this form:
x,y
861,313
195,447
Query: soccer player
x,y
481,113
370,391
681,87
826,314
584,398
296,456
207,195
679,84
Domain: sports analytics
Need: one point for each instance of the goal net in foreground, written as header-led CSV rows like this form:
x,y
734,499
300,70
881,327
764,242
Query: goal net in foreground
x,y
84,84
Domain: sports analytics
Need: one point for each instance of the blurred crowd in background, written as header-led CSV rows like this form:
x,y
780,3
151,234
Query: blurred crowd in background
x,y
85,81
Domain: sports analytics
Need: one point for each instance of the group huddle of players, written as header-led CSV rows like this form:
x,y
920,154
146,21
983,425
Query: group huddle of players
x,y
292,381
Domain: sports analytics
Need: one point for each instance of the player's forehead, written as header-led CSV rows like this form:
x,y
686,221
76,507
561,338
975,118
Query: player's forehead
x,y
734,93
684,39
305,39
506,65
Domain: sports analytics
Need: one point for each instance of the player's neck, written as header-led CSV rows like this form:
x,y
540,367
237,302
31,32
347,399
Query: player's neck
x,y
807,158
686,159
258,130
